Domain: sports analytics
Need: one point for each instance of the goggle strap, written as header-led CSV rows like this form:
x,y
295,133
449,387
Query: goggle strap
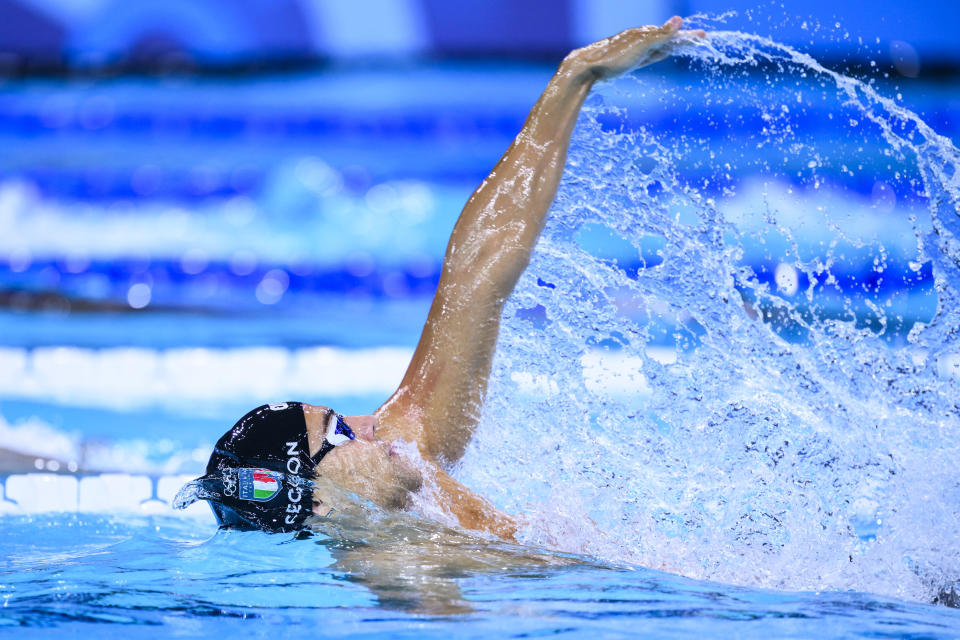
x,y
325,448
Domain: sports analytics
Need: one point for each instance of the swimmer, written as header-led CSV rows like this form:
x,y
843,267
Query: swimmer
x,y
284,463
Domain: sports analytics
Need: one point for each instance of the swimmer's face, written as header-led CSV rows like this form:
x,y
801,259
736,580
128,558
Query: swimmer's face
x,y
366,466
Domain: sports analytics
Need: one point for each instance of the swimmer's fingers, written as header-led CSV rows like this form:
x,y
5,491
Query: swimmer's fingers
x,y
616,54
630,49
669,47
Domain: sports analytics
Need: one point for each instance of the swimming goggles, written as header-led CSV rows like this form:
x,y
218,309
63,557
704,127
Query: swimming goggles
x,y
338,433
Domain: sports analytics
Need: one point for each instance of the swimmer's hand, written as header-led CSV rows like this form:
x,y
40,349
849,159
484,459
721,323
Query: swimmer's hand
x,y
629,49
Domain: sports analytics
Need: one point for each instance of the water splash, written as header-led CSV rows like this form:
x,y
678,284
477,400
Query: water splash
x,y
775,335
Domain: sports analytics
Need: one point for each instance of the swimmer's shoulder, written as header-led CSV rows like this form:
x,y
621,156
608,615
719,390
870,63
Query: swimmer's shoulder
x,y
399,418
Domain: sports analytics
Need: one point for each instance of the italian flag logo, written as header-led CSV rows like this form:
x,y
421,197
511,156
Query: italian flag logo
x,y
258,484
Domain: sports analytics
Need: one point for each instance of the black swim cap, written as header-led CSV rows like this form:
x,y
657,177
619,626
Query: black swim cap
x,y
260,473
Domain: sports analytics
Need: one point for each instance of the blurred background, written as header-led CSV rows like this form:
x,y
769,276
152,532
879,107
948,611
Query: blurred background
x,y
207,205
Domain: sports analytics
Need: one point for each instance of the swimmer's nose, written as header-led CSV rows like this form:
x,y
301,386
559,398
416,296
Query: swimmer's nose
x,y
363,426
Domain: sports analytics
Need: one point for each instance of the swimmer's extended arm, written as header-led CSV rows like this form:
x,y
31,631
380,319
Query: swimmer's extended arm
x,y
438,402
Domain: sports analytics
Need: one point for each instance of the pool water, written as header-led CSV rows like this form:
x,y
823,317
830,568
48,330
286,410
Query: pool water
x,y
174,252
138,576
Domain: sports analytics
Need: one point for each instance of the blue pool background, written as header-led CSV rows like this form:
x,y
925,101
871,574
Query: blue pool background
x,y
177,247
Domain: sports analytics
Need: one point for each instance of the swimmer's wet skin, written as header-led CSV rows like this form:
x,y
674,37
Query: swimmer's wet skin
x,y
261,474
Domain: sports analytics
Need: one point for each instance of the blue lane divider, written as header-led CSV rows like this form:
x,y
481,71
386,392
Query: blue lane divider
x,y
112,279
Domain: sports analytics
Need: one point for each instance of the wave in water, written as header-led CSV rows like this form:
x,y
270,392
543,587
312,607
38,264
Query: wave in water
x,y
805,434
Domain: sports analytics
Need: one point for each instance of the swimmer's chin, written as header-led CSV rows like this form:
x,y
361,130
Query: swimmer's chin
x,y
392,488
349,516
